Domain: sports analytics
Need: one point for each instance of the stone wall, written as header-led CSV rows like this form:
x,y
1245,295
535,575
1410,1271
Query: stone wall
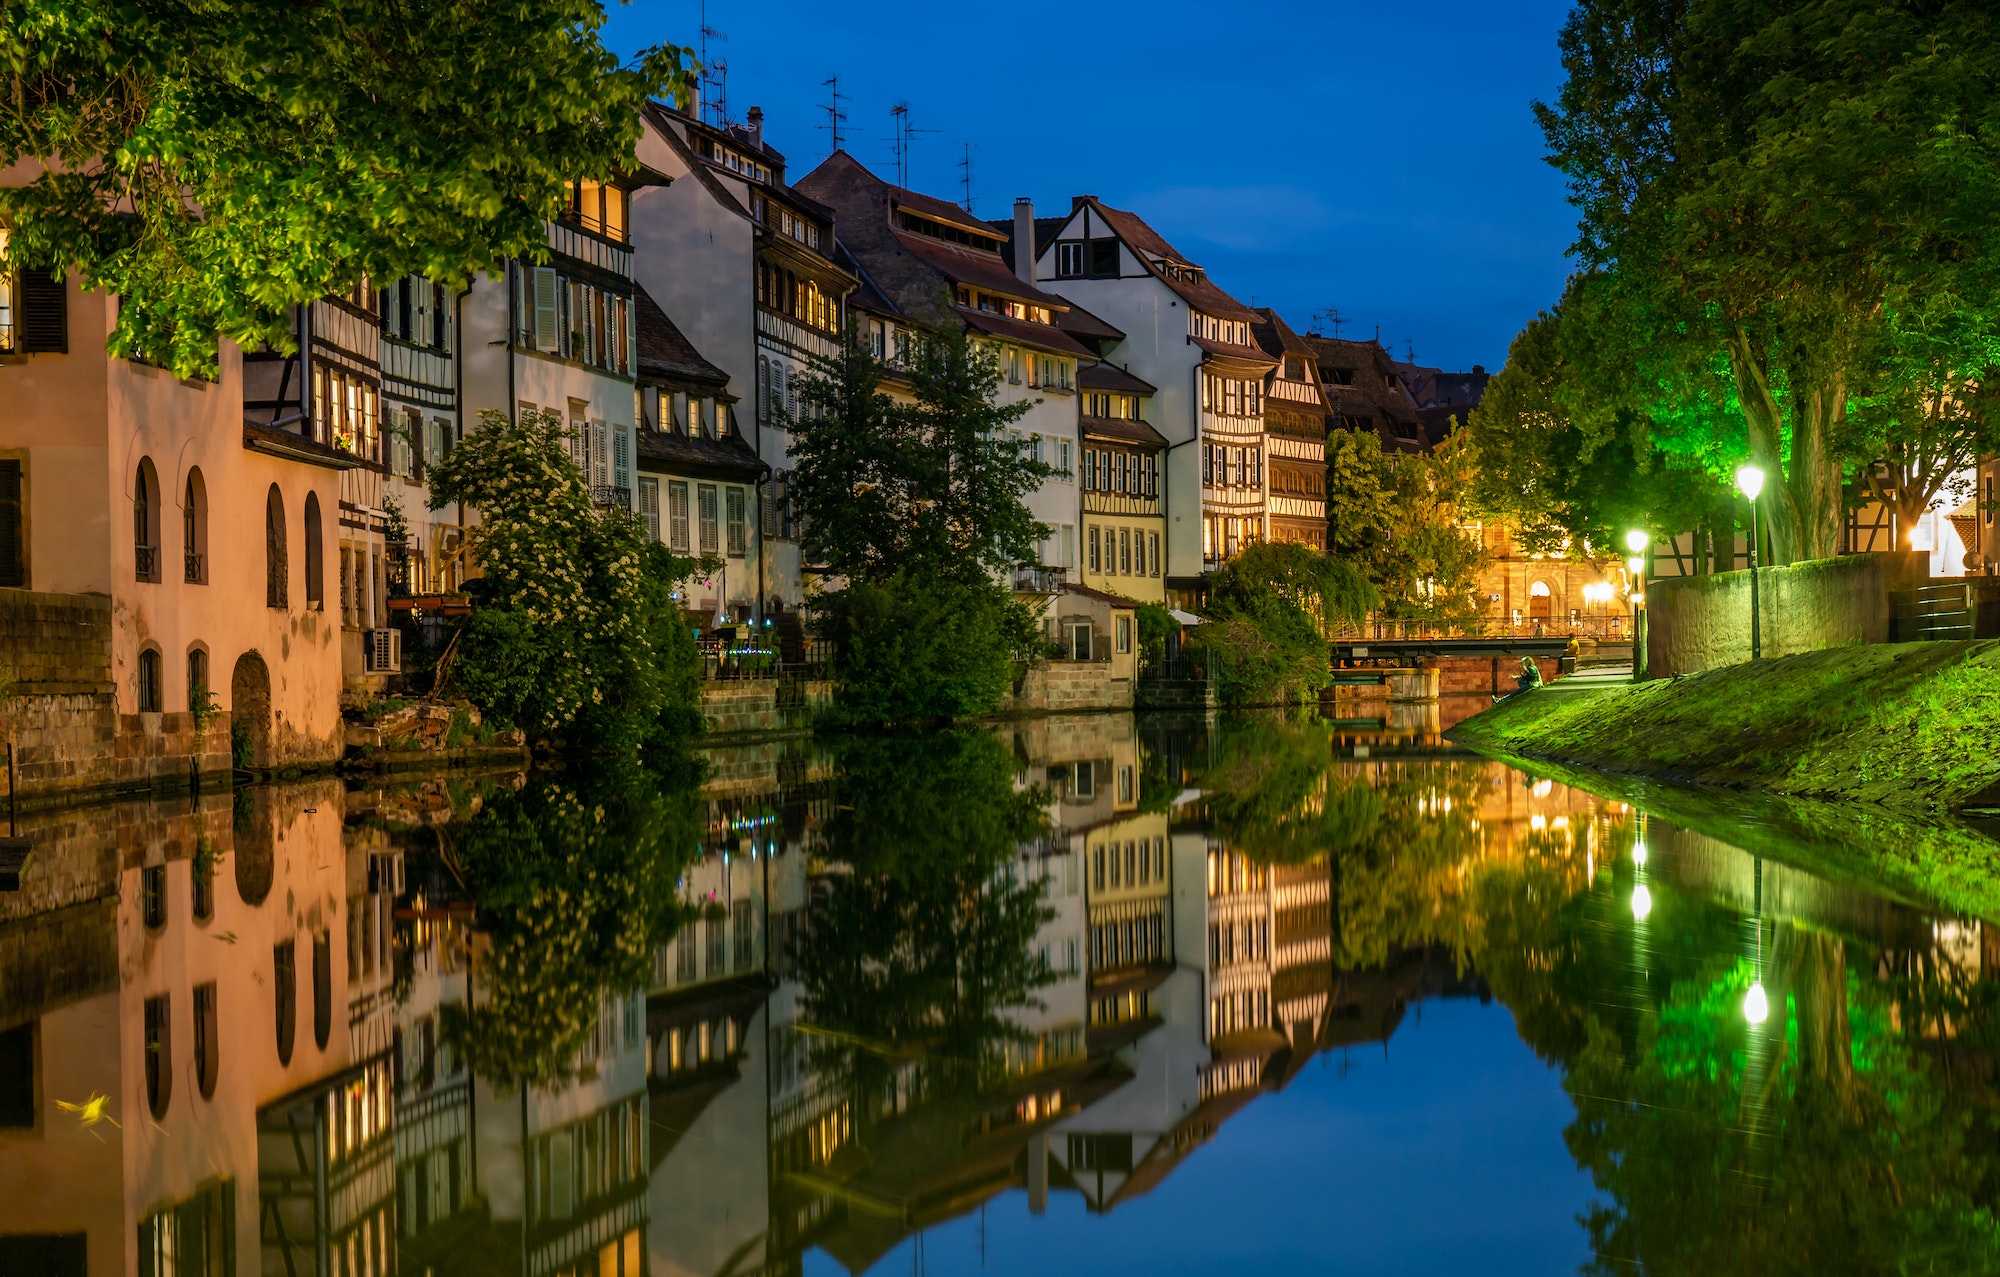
x,y
1066,686
747,706
62,716
1703,622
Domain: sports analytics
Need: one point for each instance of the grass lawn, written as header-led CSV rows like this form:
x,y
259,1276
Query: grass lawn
x,y
1912,726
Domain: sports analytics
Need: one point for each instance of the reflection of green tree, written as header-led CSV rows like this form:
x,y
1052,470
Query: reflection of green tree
x,y
1822,1142
923,945
1273,795
575,884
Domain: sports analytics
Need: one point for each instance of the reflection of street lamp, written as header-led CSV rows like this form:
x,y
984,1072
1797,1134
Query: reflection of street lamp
x,y
1750,482
1756,1007
1642,902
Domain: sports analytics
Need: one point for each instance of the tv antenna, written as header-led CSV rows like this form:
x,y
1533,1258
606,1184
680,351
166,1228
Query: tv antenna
x,y
1330,315
905,134
713,74
1409,351
835,117
965,175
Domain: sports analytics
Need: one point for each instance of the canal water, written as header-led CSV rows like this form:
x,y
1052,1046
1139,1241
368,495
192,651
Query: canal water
x,y
1083,995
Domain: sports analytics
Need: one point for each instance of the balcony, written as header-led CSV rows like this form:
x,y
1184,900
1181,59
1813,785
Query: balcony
x,y
1030,578
603,494
192,568
147,560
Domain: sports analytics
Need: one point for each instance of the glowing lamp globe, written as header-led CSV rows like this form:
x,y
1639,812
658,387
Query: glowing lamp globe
x,y
1756,1007
1750,481
1636,540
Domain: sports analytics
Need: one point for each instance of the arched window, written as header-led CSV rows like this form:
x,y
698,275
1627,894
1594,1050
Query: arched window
x,y
285,979
149,681
206,1041
315,594
277,571
159,1055
194,530
197,671
146,522
1539,602
322,988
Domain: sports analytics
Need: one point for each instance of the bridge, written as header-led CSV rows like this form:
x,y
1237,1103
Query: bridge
x,y
1412,651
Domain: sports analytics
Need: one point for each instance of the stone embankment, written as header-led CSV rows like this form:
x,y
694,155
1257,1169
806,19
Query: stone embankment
x,y
1913,727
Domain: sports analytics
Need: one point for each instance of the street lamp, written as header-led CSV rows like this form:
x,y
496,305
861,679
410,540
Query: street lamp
x,y
1750,482
1636,541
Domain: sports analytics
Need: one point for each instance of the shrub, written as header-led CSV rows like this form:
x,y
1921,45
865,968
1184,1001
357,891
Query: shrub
x,y
915,651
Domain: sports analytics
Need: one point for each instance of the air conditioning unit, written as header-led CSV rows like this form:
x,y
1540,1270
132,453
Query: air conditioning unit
x,y
385,651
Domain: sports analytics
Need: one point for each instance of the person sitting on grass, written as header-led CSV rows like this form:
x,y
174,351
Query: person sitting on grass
x,y
1531,678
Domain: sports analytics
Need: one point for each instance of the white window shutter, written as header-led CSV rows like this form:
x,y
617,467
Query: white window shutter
x,y
599,455
547,310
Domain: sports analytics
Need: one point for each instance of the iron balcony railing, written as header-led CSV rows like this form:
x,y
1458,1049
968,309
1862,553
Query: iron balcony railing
x,y
192,568
604,494
147,559
1392,629
1034,579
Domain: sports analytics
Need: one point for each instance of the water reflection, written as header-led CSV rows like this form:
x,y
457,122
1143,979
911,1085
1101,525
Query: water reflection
x,y
828,1005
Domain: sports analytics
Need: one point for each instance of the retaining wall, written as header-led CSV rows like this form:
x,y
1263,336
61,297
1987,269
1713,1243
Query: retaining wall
x,y
1064,686
1703,622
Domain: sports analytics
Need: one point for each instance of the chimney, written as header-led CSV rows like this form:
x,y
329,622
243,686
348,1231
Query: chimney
x,y
1024,239
757,127
1479,370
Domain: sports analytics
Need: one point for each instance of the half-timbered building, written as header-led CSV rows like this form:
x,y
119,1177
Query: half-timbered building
x,y
698,482
1295,435
1193,341
932,264
748,267
1124,532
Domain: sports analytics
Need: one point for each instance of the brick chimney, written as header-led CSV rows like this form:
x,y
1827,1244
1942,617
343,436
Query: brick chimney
x,y
1024,239
757,127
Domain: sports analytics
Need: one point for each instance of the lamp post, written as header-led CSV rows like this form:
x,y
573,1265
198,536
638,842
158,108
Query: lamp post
x,y
1636,541
1750,482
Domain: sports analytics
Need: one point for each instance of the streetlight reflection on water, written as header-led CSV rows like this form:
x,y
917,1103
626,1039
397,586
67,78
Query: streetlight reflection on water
x,y
1756,1007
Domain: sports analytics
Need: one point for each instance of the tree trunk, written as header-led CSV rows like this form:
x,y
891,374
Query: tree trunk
x,y
1800,509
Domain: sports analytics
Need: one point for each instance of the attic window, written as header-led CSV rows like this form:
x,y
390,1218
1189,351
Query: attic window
x,y
1340,376
1295,368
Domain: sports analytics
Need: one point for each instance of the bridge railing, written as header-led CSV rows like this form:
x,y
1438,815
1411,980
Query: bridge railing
x,y
1399,629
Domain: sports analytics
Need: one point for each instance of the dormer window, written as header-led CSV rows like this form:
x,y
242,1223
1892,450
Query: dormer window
x,y
596,207
917,224
1111,407
1340,376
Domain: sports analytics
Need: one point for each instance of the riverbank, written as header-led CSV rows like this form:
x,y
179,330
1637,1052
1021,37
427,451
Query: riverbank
x,y
1914,727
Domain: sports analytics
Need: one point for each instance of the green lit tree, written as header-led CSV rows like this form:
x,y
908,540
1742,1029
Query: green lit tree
x,y
1763,185
216,163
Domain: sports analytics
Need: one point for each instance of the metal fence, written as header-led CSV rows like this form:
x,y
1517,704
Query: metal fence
x,y
1395,629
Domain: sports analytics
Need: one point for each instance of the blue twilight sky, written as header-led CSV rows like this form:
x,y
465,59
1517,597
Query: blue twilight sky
x,y
1376,158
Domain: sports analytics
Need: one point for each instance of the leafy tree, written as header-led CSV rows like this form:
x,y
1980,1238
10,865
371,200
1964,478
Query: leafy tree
x,y
1270,610
915,649
1928,415
1762,185
214,164
1397,518
930,488
1569,472
577,634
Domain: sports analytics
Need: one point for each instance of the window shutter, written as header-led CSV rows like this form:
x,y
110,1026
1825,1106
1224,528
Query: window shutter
x,y
548,316
763,388
621,457
599,455
649,506
44,313
12,569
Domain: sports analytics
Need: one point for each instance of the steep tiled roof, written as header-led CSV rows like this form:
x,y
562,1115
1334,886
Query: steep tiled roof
x,y
665,352
1102,376
730,457
1376,397
1123,430
1079,322
1198,292
1231,351
916,274
1007,327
